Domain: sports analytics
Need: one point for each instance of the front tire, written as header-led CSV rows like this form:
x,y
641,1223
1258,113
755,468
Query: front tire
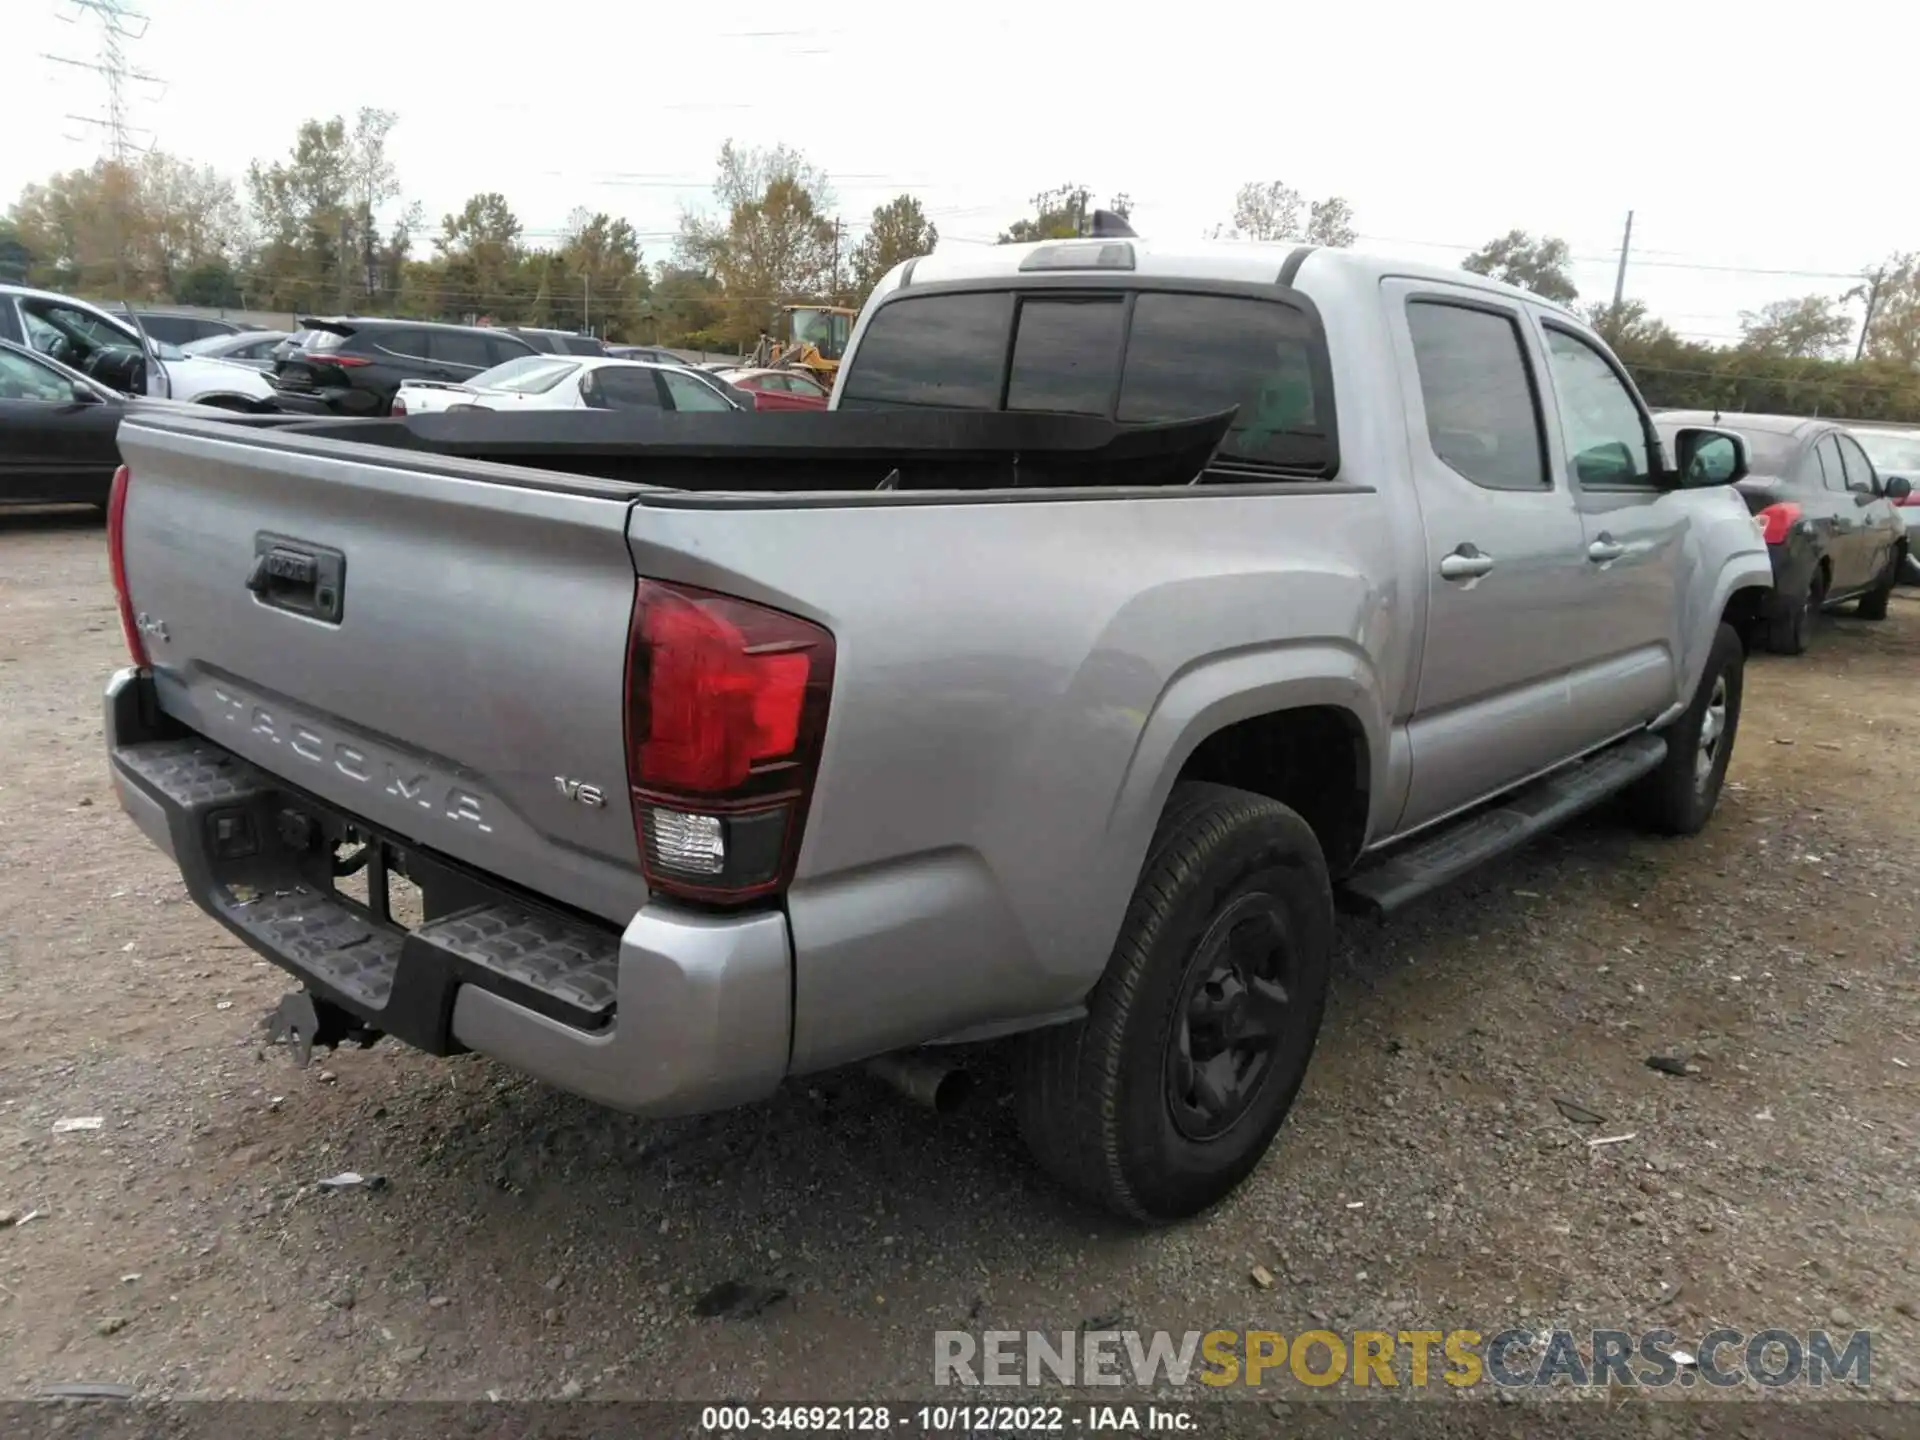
x,y
1165,1097
1679,797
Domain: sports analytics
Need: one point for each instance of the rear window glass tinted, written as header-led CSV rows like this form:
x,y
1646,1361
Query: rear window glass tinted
x,y
1067,356
319,340
942,351
1186,356
1194,355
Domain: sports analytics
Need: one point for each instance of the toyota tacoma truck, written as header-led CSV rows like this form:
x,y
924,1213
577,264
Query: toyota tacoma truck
x,y
1134,609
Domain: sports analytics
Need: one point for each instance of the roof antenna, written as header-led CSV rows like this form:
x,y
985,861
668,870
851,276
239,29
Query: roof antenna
x,y
1109,223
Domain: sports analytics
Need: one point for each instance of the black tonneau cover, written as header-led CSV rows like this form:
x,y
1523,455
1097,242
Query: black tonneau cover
x,y
808,451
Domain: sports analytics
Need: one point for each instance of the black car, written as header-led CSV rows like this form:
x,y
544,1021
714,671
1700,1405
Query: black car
x,y
174,329
58,429
558,342
651,354
1827,515
353,366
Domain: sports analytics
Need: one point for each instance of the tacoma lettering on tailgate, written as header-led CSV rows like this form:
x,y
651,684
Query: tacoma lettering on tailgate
x,y
401,780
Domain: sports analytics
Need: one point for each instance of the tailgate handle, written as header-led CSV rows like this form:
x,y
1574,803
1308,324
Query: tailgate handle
x,y
303,579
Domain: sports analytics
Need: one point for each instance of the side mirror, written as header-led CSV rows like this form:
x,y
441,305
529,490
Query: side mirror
x,y
1897,488
1709,457
83,396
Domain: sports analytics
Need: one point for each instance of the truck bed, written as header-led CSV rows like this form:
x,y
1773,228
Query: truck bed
x,y
836,451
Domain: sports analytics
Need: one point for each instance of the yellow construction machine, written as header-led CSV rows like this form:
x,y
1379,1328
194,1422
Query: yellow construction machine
x,y
812,338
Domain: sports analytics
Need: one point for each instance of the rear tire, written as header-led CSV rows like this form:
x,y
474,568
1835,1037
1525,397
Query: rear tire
x,y
1873,604
1679,797
1787,633
1165,1097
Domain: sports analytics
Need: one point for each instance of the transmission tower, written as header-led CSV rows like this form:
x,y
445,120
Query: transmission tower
x,y
119,25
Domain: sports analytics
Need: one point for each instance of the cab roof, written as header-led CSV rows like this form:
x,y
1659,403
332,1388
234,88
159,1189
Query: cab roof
x,y
1244,261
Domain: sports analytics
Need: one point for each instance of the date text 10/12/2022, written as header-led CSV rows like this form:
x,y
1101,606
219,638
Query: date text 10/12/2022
x,y
958,1420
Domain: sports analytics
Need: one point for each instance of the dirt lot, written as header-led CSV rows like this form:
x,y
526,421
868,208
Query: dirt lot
x,y
527,1244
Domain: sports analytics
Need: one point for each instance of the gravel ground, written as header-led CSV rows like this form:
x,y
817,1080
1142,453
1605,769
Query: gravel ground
x,y
526,1244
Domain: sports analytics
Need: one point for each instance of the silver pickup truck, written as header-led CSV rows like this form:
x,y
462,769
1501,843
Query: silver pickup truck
x,y
1134,608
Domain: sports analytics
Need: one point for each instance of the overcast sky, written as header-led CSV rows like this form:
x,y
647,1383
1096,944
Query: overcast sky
x,y
1746,139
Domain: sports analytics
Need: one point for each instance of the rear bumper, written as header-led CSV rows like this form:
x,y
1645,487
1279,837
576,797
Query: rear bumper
x,y
679,1013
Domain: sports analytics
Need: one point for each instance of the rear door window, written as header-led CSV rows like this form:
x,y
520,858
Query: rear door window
x,y
1859,468
457,347
615,387
407,344
1833,472
1483,418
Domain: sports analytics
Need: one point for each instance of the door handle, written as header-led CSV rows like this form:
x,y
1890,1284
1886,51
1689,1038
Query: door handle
x,y
1604,549
1465,563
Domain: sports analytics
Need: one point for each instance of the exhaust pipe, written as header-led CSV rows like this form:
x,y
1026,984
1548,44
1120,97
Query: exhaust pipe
x,y
924,1079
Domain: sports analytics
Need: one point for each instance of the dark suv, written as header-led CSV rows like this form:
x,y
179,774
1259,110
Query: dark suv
x,y
558,342
354,365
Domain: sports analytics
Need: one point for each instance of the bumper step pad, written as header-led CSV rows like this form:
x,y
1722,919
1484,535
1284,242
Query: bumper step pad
x,y
395,980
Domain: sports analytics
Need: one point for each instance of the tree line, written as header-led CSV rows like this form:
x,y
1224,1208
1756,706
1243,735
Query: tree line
x,y
1797,356
324,228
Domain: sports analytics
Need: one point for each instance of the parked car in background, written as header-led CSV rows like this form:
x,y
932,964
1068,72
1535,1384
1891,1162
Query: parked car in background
x,y
558,342
566,382
105,347
652,354
58,430
294,342
354,365
1827,516
180,329
779,389
252,348
1897,453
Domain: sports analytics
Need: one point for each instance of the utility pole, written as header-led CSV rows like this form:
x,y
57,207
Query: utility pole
x,y
839,226
586,302
1620,275
119,23
1872,292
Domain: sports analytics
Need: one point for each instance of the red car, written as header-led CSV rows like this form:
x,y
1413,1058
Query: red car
x,y
779,389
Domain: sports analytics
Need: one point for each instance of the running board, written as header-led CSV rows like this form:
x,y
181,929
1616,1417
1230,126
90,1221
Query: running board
x,y
1443,857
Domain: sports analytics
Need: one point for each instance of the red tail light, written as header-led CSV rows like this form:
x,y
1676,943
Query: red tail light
x,y
399,406
1910,500
117,564
344,361
726,712
1777,520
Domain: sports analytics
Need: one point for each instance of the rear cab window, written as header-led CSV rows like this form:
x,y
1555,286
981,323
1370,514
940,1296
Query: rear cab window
x,y
1137,355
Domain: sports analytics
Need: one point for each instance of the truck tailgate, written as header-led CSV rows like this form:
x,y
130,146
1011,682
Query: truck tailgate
x,y
462,685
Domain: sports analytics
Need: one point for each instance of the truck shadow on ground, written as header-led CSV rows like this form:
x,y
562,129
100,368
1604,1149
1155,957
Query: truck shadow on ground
x,y
837,1183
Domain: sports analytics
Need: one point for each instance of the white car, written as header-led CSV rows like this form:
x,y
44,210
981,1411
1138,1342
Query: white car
x,y
566,382
105,347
